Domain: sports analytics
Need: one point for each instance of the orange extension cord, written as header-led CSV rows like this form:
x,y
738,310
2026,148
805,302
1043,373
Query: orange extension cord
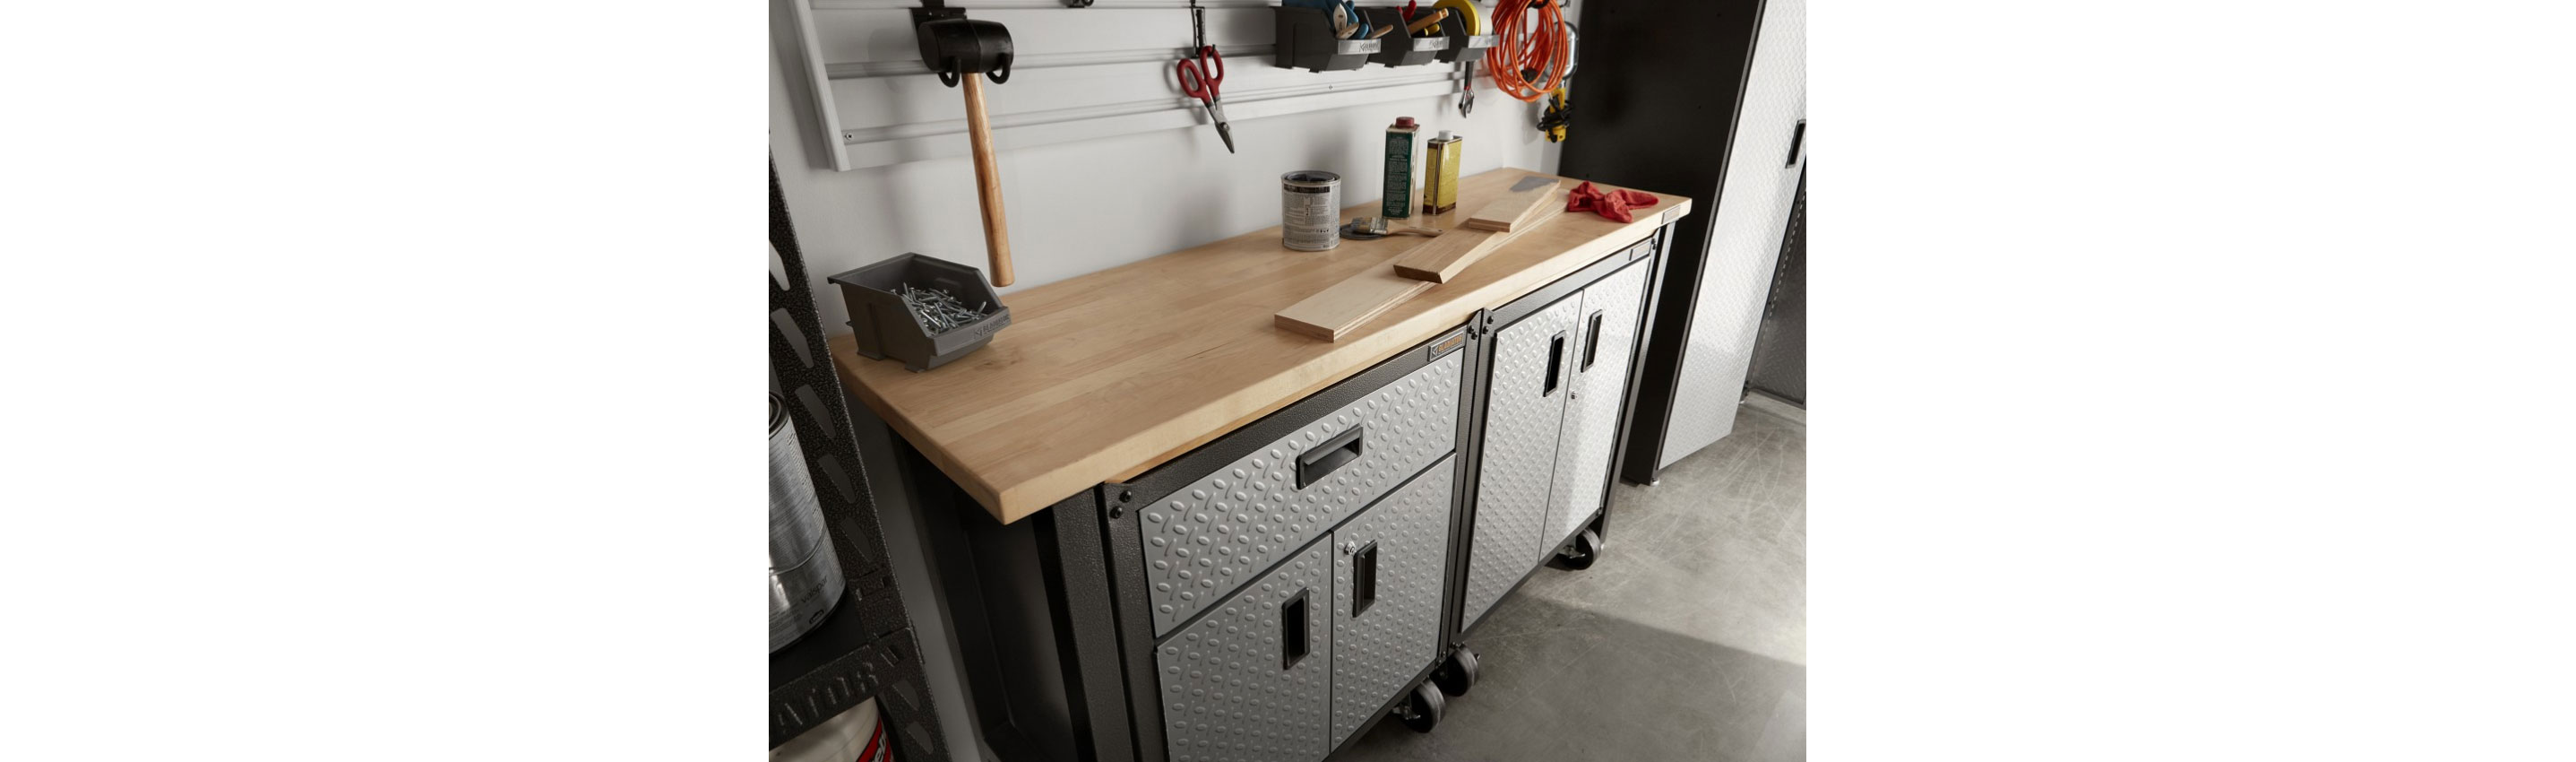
x,y
1539,47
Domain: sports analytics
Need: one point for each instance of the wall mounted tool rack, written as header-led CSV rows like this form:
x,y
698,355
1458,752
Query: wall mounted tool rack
x,y
1080,73
865,649
1306,41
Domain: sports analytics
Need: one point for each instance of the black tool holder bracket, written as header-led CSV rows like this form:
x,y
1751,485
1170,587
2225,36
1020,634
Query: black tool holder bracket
x,y
954,46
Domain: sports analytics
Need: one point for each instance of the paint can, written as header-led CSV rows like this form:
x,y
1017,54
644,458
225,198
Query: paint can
x,y
804,575
1397,203
1310,208
1440,174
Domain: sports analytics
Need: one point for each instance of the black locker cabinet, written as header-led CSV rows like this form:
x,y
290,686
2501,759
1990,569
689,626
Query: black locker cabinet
x,y
1706,98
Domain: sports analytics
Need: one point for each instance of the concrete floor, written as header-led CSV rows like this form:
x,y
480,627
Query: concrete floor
x,y
1686,641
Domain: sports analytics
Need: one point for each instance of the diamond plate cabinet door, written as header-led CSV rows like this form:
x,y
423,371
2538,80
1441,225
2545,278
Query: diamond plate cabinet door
x,y
1612,309
1235,685
1203,540
1387,569
1761,183
1524,410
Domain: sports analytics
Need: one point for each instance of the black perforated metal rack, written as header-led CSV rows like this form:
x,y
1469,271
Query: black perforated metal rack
x,y
866,648
1780,350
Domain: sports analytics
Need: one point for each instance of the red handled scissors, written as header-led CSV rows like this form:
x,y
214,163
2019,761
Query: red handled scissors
x,y
1196,83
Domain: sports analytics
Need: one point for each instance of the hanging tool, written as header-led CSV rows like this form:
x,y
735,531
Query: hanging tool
x,y
1196,83
958,49
1531,59
1467,91
1553,119
1474,20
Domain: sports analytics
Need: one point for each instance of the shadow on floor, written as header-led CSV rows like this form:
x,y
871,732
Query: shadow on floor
x,y
1686,641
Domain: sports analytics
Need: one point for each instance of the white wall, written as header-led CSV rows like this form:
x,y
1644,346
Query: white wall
x,y
1082,206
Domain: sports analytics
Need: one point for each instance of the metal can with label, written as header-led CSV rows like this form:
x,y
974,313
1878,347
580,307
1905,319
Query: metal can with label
x,y
804,575
1310,208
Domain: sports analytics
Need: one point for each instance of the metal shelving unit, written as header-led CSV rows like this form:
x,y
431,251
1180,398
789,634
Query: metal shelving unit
x,y
866,648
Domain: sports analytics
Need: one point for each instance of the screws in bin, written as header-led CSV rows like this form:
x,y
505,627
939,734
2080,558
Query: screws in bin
x,y
939,311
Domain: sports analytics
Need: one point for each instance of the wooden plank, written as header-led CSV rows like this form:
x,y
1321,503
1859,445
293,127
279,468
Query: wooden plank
x,y
1342,308
1103,376
1337,310
1515,207
1440,259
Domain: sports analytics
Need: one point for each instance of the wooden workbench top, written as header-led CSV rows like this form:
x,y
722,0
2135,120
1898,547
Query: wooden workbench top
x,y
1103,376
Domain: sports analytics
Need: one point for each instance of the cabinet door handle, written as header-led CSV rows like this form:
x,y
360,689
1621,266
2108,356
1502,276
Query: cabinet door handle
x,y
1555,364
1363,579
1330,455
1592,341
1292,630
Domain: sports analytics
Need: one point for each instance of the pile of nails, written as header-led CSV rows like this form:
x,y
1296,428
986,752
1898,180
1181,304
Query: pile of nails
x,y
939,311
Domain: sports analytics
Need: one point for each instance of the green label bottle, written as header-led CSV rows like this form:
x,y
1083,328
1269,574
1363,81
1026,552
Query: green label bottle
x,y
1398,202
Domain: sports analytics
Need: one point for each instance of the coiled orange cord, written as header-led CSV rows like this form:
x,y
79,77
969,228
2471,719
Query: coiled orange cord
x,y
1525,46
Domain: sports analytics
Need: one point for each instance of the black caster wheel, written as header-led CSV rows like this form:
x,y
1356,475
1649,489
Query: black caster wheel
x,y
1457,673
1587,548
1421,711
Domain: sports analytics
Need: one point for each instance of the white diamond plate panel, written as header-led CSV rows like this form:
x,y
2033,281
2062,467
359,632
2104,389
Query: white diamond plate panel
x,y
1592,413
1201,541
1225,699
1376,654
1521,426
1744,243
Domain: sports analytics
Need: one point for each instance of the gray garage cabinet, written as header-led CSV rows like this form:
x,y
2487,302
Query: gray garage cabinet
x,y
1276,592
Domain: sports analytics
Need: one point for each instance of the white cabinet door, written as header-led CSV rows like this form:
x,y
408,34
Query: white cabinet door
x,y
1524,409
1607,331
1744,244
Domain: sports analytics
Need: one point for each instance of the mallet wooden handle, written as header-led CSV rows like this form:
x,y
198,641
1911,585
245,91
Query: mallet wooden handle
x,y
988,181
1426,21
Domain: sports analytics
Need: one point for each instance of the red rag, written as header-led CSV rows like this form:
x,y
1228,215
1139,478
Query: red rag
x,y
1612,204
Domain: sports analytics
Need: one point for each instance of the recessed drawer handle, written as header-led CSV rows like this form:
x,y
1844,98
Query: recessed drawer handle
x,y
1323,459
1363,579
1592,341
1292,630
1555,364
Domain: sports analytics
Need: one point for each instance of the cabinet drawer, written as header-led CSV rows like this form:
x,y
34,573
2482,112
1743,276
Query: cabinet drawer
x,y
1248,682
1203,539
1388,567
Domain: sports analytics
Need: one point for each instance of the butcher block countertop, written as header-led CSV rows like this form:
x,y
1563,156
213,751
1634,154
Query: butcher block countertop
x,y
1101,377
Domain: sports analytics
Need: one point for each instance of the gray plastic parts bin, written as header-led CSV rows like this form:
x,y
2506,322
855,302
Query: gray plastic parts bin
x,y
886,328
